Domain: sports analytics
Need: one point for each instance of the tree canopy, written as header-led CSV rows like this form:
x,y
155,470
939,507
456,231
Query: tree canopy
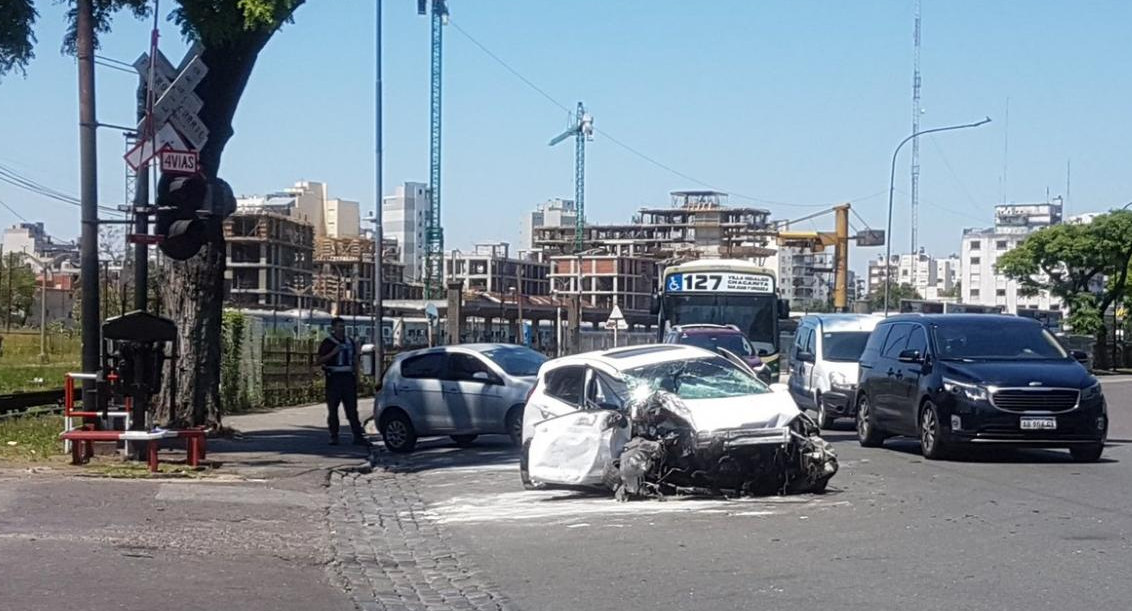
x,y
1086,265
896,292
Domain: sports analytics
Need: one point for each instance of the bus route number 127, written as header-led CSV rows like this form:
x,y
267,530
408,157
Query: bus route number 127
x,y
695,282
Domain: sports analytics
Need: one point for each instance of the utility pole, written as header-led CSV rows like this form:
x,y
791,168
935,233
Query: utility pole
x,y
141,221
841,256
378,232
88,193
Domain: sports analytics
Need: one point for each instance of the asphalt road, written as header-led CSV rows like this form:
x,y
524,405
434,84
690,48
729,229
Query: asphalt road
x,y
1003,529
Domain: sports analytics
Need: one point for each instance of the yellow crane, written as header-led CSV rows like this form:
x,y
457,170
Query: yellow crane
x,y
818,241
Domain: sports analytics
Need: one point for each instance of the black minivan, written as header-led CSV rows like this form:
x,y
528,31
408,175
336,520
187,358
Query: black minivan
x,y
955,379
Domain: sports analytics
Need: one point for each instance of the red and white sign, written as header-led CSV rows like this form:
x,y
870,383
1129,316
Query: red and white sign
x,y
179,162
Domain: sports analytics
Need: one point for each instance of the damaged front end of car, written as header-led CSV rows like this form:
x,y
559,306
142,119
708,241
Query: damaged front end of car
x,y
667,455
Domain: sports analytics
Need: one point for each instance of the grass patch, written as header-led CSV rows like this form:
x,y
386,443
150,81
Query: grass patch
x,y
31,438
118,469
24,376
20,369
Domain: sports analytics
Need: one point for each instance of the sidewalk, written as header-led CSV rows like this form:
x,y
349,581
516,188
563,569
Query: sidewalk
x,y
253,535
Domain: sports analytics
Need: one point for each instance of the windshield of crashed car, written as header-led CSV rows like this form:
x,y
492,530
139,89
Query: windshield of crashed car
x,y
703,378
516,361
993,340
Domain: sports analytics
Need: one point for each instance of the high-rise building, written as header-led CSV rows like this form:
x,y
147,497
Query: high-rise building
x,y
343,218
403,219
552,213
981,282
804,277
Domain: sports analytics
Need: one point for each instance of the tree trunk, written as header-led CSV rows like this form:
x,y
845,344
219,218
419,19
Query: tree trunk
x,y
194,295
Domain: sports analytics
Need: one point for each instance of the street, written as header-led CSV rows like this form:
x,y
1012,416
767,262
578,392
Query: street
x,y
1001,530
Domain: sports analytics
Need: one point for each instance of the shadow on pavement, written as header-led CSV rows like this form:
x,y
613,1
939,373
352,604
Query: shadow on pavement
x,y
442,453
293,441
993,454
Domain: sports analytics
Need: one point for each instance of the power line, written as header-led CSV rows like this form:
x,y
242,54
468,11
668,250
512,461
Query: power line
x,y
16,179
115,61
624,145
114,67
17,214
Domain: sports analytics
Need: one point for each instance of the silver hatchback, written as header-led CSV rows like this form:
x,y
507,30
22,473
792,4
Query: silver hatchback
x,y
462,391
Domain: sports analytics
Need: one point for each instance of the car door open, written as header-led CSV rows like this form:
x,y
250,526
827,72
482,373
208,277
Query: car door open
x,y
574,449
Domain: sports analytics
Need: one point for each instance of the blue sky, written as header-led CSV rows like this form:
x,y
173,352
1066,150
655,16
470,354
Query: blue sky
x,y
786,101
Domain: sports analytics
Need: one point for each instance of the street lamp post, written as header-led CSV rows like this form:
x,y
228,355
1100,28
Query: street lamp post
x,y
891,188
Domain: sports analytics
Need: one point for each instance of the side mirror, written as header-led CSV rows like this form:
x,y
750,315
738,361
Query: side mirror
x,y
911,356
805,357
654,305
1080,356
783,308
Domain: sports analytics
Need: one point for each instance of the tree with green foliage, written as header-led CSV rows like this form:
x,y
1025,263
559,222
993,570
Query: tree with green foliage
x,y
1086,265
232,33
895,293
17,290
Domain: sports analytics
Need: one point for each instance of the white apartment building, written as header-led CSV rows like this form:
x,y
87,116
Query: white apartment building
x,y
343,218
805,278
928,275
309,203
981,282
403,219
555,212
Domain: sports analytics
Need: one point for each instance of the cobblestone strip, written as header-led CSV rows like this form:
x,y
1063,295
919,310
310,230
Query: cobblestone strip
x,y
389,557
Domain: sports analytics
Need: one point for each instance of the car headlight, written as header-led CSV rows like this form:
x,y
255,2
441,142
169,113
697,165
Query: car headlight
x,y
1091,393
838,380
973,392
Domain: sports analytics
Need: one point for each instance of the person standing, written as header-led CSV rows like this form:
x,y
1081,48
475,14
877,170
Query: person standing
x,y
339,358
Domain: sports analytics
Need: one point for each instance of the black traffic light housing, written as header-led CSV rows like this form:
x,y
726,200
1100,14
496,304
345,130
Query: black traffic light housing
x,y
180,199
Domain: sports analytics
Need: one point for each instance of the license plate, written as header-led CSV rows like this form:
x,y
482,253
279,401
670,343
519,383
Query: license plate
x,y
1039,424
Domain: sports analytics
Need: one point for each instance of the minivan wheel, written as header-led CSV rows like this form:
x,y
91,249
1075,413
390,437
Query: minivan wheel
x,y
867,434
931,433
398,433
1087,453
824,420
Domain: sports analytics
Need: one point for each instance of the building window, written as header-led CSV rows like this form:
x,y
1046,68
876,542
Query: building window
x,y
976,260
974,292
1000,292
1000,245
976,245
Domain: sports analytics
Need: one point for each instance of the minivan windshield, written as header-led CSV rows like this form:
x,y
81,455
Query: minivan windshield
x,y
843,346
517,361
992,339
703,378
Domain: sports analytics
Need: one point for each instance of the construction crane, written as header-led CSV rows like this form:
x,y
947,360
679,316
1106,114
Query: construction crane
x,y
582,131
434,232
817,241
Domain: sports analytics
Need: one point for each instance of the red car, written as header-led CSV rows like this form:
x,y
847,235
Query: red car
x,y
717,338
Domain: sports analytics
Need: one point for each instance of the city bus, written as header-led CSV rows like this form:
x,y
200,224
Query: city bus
x,y
724,292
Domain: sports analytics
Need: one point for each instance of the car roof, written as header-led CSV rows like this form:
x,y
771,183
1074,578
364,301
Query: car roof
x,y
458,348
704,329
833,323
959,319
631,357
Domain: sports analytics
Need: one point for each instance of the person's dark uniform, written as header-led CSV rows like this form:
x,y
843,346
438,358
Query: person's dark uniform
x,y
341,385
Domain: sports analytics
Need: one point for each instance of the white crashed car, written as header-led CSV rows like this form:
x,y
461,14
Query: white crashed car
x,y
667,418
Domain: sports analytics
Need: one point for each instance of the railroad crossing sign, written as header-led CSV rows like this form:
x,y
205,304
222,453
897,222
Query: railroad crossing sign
x,y
179,162
616,320
175,113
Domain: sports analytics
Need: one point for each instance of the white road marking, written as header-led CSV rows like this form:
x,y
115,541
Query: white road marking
x,y
569,507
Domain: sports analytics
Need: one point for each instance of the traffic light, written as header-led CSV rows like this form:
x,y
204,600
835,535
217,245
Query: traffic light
x,y
179,224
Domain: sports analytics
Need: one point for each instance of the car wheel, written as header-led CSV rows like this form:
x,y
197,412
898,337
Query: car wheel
x,y
398,433
514,425
867,433
931,433
464,440
1087,453
524,472
825,420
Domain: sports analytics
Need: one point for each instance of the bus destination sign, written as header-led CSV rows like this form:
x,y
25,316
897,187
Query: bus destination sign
x,y
722,282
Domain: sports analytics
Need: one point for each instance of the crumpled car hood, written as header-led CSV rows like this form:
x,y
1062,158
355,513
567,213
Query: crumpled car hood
x,y
768,410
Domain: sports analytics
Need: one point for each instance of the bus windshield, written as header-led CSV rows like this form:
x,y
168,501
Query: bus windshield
x,y
753,314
